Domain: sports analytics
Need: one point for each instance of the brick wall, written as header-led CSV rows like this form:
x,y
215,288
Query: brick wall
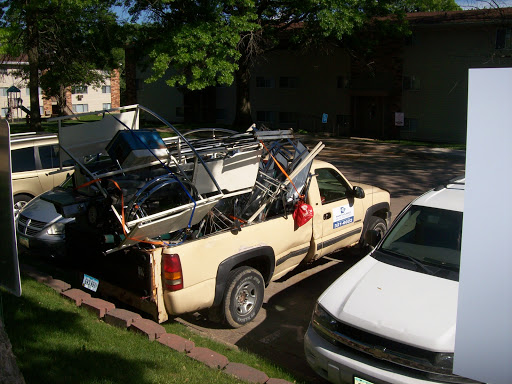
x,y
115,89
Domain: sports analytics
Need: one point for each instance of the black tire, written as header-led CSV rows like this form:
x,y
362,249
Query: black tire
x,y
243,296
20,201
377,224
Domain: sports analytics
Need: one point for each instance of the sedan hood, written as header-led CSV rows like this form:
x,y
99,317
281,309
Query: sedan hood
x,y
395,303
40,210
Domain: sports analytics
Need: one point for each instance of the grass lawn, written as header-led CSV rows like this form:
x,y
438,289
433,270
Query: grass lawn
x,y
57,342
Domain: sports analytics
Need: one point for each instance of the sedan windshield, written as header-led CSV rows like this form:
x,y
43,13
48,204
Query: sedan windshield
x,y
430,236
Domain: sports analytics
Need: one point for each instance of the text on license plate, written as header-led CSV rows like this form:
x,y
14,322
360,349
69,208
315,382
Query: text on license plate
x,y
358,380
90,282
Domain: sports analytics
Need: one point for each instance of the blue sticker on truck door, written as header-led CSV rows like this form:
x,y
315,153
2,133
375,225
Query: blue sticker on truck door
x,y
342,216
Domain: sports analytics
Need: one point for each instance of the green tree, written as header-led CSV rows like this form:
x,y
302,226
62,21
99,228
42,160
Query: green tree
x,y
66,43
210,42
430,5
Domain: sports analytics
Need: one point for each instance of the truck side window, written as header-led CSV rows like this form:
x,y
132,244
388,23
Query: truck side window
x,y
23,159
331,185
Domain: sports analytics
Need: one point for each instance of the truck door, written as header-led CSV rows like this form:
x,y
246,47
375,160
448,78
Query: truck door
x,y
338,219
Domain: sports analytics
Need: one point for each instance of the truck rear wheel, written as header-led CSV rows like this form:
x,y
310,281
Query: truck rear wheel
x,y
243,296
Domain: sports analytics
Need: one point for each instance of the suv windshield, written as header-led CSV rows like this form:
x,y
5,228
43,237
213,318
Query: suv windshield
x,y
431,236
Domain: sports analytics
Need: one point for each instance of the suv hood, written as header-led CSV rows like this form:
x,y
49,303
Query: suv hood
x,y
399,304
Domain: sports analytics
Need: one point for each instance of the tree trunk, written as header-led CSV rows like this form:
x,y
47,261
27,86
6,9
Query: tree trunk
x,y
33,62
243,118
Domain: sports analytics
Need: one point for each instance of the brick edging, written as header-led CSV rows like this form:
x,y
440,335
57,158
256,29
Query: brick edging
x,y
133,322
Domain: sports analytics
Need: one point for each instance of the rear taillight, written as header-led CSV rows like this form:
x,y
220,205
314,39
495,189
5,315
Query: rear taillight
x,y
173,276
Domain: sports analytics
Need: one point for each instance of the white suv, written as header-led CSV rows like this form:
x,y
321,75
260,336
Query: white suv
x,y
391,317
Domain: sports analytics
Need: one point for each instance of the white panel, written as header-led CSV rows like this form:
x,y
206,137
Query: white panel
x,y
233,173
9,265
92,138
483,343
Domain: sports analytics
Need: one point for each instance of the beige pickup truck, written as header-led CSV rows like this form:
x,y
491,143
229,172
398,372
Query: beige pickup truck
x,y
194,223
228,271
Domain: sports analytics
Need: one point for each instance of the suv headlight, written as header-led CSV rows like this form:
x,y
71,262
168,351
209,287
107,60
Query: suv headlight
x,y
444,361
56,229
325,324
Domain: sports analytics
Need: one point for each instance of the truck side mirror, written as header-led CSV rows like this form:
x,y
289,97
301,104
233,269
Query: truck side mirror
x,y
372,237
358,192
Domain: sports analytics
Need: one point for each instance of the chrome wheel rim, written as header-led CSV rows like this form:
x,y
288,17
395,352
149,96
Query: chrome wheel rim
x,y
245,299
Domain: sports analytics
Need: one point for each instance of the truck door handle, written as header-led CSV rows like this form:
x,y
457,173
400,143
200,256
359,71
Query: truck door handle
x,y
327,216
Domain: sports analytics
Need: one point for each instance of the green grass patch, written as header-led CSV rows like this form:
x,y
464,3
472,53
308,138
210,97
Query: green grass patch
x,y
57,342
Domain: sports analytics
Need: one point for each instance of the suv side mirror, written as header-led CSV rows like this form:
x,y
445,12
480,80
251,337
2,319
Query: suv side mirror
x,y
358,192
372,237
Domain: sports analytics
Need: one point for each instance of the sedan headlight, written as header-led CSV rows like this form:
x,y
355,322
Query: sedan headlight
x,y
56,229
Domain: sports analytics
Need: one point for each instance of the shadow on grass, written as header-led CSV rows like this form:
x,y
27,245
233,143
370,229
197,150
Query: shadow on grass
x,y
55,343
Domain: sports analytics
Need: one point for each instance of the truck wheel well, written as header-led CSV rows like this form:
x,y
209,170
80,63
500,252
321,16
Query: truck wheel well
x,y
381,213
260,263
262,259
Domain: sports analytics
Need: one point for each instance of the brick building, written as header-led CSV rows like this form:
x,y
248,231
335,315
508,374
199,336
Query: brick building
x,y
15,94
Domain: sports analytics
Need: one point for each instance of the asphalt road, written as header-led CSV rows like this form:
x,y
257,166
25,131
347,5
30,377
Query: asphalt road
x,y
277,333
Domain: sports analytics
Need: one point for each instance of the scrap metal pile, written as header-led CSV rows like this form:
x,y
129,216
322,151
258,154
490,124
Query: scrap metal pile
x,y
133,187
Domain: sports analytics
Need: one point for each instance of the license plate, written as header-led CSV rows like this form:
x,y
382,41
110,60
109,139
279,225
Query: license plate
x,y
90,283
23,241
358,380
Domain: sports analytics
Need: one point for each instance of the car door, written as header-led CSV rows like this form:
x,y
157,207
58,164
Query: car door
x,y
338,219
25,175
49,163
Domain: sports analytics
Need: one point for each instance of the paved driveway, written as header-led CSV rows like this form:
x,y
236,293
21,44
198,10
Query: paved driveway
x,y
278,330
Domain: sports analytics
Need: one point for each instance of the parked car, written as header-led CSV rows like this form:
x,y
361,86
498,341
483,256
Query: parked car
x,y
34,162
391,318
41,229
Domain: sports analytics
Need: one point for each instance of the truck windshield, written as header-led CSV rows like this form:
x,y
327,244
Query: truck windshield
x,y
431,236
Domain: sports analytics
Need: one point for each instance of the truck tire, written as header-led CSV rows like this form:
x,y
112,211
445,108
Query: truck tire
x,y
243,296
377,224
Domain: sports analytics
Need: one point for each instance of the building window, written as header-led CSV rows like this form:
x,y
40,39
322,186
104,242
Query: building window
x,y
503,38
288,82
264,82
105,89
78,108
107,105
79,89
411,83
27,91
266,116
410,125
3,91
4,112
180,112
3,71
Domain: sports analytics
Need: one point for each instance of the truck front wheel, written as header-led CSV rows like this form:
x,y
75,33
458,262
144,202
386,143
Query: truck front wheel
x,y
377,224
243,296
